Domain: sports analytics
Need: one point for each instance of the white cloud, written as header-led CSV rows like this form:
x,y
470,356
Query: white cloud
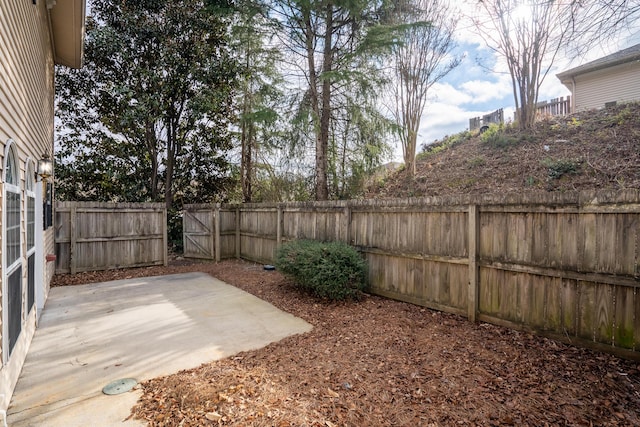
x,y
482,91
446,93
443,119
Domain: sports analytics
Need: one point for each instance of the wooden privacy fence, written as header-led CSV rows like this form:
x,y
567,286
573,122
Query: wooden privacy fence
x,y
563,265
99,236
494,117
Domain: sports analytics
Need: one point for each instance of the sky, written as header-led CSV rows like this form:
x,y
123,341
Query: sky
x,y
472,90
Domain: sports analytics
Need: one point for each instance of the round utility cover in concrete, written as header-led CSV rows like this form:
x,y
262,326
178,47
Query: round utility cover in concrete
x,y
119,386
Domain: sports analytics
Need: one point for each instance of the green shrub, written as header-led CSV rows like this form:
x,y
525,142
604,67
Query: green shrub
x,y
476,161
444,144
557,168
332,270
497,136
174,230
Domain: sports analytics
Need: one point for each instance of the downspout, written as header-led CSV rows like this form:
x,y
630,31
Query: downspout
x,y
50,4
573,94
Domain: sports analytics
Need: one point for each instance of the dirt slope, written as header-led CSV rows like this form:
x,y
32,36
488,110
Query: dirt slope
x,y
590,150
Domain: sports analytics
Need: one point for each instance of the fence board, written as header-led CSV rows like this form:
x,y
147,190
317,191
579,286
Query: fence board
x,y
567,232
587,313
227,233
515,237
552,304
603,327
626,234
554,241
589,254
570,306
488,302
606,242
539,239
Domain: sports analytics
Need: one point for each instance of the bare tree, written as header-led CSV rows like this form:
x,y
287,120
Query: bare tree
x,y
597,22
528,35
420,60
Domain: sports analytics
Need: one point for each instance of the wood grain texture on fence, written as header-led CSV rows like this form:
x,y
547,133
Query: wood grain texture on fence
x,y
93,236
198,231
563,265
228,233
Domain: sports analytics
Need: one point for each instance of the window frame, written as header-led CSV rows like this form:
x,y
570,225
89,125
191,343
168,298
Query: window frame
x,y
11,176
11,187
30,193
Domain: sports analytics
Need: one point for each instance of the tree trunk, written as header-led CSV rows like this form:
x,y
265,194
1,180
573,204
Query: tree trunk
x,y
247,126
150,139
410,151
246,161
171,158
322,146
313,94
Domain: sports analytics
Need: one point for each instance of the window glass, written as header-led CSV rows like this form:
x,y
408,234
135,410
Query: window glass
x,y
31,206
12,206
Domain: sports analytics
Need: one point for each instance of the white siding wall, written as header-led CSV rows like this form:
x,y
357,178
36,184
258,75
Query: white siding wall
x,y
621,84
26,117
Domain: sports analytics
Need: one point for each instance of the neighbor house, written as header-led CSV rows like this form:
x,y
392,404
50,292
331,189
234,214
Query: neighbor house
x,y
612,79
34,35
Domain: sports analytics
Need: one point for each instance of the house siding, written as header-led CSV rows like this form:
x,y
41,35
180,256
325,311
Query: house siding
x,y
26,117
620,83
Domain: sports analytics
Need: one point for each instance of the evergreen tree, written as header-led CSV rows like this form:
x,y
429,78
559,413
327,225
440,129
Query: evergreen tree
x,y
148,116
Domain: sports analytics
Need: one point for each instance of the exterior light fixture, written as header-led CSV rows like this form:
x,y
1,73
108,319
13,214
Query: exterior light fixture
x,y
45,167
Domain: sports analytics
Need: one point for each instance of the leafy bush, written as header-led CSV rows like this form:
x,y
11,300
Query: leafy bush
x,y
174,230
332,270
476,161
497,136
444,144
560,167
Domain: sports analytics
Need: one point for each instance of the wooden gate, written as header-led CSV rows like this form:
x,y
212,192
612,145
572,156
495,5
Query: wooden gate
x,y
199,231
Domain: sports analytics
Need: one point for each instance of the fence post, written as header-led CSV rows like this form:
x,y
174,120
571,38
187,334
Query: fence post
x,y
279,224
238,233
474,238
72,240
216,232
165,237
347,224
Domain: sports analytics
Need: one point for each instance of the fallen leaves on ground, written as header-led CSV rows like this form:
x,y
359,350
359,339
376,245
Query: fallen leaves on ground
x,y
380,362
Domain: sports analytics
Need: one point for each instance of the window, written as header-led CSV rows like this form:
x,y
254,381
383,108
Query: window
x,y
31,233
47,212
12,208
31,206
12,247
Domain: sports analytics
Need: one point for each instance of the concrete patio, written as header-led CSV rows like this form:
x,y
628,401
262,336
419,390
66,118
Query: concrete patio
x,y
91,335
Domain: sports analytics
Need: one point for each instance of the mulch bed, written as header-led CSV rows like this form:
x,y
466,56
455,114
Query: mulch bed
x,y
379,362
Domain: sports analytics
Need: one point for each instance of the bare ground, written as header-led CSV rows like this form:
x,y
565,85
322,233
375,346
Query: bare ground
x,y
379,362
591,150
